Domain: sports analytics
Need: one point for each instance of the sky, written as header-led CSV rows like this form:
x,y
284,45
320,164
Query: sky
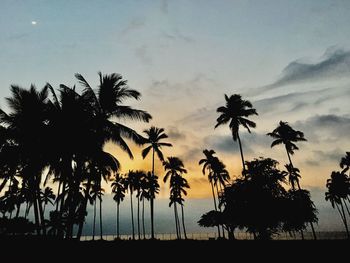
x,y
291,59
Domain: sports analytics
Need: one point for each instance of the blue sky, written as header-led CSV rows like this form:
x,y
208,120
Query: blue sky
x,y
290,58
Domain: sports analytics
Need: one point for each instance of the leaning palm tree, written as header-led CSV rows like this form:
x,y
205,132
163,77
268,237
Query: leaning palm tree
x,y
153,139
236,112
118,188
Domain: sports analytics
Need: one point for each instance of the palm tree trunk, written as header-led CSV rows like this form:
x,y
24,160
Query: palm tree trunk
x,y
344,219
178,221
177,229
183,220
346,206
138,216
132,217
118,235
18,209
214,198
101,232
143,218
36,214
58,194
41,213
217,192
241,150
83,209
94,224
152,201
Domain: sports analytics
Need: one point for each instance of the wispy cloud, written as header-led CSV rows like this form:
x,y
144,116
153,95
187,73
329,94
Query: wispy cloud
x,y
177,35
175,134
164,6
142,53
333,64
319,156
134,24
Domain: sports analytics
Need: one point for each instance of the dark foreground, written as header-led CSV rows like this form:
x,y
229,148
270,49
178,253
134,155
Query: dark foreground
x,y
31,249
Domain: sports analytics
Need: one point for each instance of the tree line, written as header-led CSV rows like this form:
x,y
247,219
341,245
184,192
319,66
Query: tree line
x,y
58,136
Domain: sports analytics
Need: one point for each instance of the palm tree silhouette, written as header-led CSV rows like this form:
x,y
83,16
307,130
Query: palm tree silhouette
x,y
130,182
236,112
175,168
96,192
154,137
118,188
345,162
47,196
337,190
285,134
207,165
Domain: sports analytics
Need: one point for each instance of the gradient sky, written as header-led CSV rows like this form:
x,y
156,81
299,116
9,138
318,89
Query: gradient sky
x,y
290,58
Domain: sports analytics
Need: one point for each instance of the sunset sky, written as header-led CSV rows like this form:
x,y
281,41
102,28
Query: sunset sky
x,y
291,59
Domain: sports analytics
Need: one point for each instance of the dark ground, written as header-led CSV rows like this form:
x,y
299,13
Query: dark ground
x,y
46,250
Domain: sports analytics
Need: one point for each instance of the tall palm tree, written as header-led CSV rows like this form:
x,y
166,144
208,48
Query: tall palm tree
x,y
130,182
118,188
96,192
153,140
285,134
27,129
47,196
337,190
207,165
178,185
174,167
236,112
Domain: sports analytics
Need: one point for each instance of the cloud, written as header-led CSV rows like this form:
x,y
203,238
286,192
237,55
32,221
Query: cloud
x,y
252,143
164,6
134,24
335,63
174,133
328,128
331,156
143,54
177,35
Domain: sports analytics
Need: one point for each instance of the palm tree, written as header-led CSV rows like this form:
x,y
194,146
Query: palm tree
x,y
118,188
236,112
96,192
47,196
338,189
207,165
285,134
177,189
130,182
27,130
154,137
345,162
175,168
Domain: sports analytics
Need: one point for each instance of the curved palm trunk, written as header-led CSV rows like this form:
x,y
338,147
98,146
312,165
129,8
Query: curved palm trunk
x,y
346,206
36,214
18,209
101,232
143,218
152,201
183,221
241,150
138,216
344,219
178,230
132,217
214,198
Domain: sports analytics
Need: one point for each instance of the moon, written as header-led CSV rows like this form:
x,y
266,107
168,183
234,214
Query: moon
x,y
34,23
